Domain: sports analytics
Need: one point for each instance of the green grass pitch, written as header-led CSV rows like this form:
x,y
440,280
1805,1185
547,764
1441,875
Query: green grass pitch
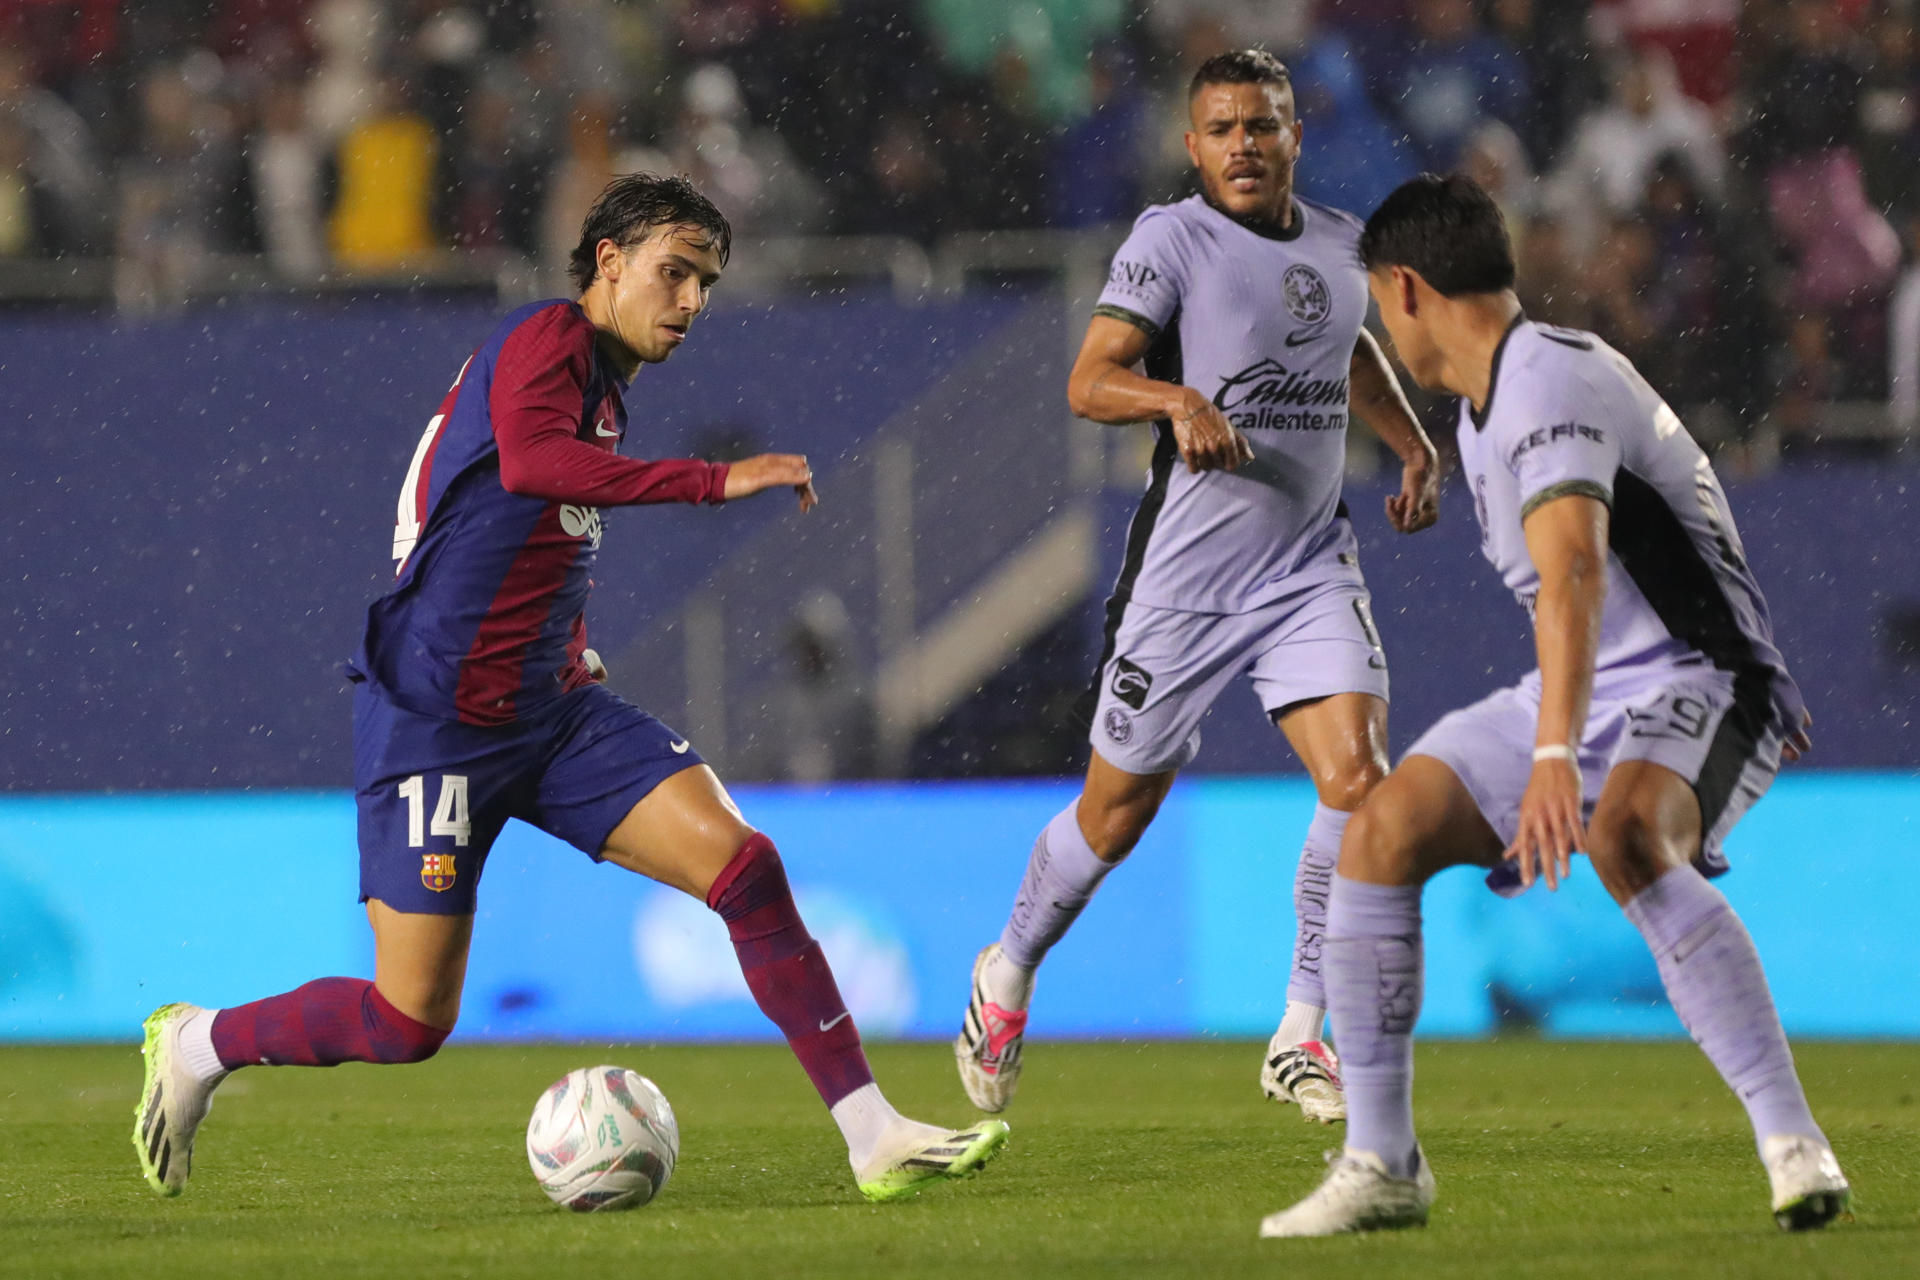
x,y
1611,1160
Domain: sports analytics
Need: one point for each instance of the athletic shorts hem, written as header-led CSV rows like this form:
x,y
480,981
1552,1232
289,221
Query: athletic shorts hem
x,y
1697,724
634,793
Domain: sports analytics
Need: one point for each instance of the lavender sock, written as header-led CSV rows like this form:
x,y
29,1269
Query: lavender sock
x,y
1374,982
1312,881
1062,873
1713,977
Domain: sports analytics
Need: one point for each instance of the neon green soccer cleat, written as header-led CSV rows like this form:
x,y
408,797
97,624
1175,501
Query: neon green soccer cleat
x,y
172,1103
947,1157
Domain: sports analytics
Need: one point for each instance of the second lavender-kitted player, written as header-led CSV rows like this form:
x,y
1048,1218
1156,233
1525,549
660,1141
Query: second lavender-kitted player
x,y
477,701
1659,713
1232,322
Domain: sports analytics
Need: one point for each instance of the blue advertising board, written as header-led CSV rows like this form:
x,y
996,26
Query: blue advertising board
x,y
110,905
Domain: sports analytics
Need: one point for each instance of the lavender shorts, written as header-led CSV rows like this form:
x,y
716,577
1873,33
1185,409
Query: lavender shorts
x,y
1169,666
1714,730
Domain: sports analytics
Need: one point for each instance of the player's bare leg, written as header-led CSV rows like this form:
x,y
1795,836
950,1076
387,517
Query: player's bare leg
x,y
420,962
1073,854
404,1015
1643,837
1416,823
689,834
1342,741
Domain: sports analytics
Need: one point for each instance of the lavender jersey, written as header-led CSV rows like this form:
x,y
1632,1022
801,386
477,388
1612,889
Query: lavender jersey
x,y
1265,325
1567,414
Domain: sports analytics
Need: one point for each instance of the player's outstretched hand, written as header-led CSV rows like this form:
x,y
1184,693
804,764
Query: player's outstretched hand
x,y
1550,827
1417,505
1799,742
1207,441
773,471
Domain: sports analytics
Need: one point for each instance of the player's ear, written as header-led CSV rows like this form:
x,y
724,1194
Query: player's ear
x,y
610,258
1193,152
1406,290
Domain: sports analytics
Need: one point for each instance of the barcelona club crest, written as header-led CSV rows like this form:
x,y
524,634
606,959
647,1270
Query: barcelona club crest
x,y
437,871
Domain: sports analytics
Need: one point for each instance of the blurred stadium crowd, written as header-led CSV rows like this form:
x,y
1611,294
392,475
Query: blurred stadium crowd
x,y
1726,189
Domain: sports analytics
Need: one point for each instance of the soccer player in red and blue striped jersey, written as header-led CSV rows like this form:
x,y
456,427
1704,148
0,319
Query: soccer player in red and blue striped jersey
x,y
477,700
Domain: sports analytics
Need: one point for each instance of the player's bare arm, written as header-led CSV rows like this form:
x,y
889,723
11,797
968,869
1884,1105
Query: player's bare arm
x,y
1567,541
1105,387
1382,405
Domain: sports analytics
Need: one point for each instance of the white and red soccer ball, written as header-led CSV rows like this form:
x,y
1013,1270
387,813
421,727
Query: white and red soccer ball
x,y
602,1138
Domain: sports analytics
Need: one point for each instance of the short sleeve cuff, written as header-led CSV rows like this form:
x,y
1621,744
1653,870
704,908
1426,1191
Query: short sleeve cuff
x,y
1133,318
1566,488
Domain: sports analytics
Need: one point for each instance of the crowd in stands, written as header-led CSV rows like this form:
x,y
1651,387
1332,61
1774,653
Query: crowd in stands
x,y
1726,189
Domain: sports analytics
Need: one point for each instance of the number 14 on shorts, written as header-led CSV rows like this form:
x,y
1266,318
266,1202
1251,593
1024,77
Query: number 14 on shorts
x,y
450,816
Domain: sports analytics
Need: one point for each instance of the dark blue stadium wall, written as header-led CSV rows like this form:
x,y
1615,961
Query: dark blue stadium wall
x,y
1832,546
198,509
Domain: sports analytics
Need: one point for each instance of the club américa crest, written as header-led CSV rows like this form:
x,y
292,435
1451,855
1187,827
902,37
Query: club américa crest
x,y
1306,294
437,871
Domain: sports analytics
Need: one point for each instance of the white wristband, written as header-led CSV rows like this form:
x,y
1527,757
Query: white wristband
x,y
1555,751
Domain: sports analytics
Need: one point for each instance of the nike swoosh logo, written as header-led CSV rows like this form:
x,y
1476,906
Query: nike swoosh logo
x,y
1300,337
844,1015
600,429
680,747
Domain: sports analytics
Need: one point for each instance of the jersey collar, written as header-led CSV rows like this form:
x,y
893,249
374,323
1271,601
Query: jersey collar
x,y
1480,415
1261,227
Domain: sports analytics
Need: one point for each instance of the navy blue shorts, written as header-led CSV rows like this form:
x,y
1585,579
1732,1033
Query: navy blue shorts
x,y
433,794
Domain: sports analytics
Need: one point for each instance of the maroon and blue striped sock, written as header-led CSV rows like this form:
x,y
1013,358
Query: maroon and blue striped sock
x,y
786,971
324,1023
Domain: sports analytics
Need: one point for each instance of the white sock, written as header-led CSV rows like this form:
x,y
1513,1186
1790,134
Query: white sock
x,y
196,1047
1007,984
865,1117
1301,1023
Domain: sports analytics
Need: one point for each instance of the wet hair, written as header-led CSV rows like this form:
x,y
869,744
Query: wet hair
x,y
1447,229
634,204
1240,66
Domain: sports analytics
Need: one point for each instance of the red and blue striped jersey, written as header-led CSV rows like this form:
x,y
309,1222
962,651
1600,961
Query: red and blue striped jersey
x,y
498,524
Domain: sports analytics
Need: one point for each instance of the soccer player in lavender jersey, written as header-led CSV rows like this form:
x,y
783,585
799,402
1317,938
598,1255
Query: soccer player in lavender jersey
x,y
477,700
1233,321
1659,713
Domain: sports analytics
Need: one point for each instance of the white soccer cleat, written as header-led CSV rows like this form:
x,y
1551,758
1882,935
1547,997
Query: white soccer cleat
x,y
1809,1191
1358,1194
173,1102
1307,1073
920,1156
987,1050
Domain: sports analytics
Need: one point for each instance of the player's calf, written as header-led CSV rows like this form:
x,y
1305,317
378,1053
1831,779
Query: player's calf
x,y
786,970
189,1050
326,1022
788,975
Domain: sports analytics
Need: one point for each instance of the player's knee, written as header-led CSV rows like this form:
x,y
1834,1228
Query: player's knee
x,y
1379,845
1112,831
1348,787
1628,849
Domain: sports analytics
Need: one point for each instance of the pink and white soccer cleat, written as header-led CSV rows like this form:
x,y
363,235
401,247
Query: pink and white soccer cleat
x,y
987,1050
1306,1073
